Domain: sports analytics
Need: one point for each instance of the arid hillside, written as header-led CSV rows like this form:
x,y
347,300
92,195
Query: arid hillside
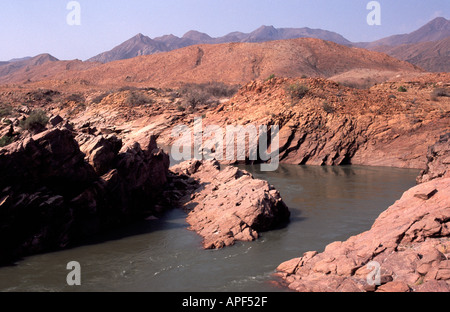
x,y
233,63
433,55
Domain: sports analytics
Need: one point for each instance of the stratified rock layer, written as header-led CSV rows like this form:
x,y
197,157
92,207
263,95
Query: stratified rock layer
x,y
438,160
409,242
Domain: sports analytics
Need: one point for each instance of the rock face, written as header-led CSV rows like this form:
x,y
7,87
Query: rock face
x,y
330,126
51,196
409,243
229,205
438,157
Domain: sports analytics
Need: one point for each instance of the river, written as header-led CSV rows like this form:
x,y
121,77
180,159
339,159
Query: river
x,y
326,204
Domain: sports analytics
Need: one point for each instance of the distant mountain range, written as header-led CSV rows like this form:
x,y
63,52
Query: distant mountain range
x,y
231,63
432,56
436,30
14,65
428,47
143,45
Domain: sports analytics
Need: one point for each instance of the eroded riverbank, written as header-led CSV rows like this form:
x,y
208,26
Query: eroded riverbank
x,y
326,204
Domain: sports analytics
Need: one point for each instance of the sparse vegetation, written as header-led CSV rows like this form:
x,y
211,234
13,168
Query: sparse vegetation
x,y
196,97
402,89
41,95
296,91
5,110
36,122
75,97
6,140
270,77
206,93
439,92
328,108
99,98
136,98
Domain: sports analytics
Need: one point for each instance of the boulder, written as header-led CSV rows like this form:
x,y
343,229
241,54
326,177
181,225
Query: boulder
x,y
55,120
229,204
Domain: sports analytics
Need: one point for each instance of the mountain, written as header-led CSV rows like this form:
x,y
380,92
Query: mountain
x,y
198,37
427,47
432,56
268,33
436,30
143,45
136,46
231,63
15,65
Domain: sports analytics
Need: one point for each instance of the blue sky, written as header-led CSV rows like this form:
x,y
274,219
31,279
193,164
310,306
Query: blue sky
x,y
28,28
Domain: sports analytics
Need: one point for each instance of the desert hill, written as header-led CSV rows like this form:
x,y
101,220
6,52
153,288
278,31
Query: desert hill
x,y
435,30
15,65
232,63
428,47
143,45
433,56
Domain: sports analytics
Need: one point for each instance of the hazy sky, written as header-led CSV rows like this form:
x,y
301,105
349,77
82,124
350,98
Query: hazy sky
x,y
31,27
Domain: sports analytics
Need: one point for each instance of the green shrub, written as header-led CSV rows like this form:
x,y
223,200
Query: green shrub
x,y
6,140
402,89
36,122
296,91
270,77
5,111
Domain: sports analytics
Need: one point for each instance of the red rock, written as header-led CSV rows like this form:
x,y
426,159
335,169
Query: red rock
x,y
230,205
394,287
438,160
433,286
404,241
52,197
289,266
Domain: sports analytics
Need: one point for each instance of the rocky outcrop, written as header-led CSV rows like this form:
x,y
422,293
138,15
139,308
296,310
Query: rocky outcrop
x,y
438,160
228,205
53,195
409,243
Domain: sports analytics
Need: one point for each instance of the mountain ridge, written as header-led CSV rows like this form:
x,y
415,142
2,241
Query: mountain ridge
x,y
171,42
434,31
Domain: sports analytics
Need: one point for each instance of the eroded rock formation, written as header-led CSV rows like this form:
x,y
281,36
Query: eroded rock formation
x,y
409,244
51,196
438,160
229,204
